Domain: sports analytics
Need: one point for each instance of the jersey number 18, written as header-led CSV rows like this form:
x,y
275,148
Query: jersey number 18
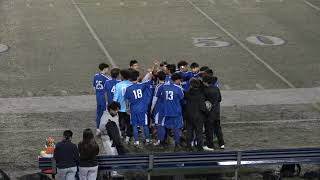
x,y
137,94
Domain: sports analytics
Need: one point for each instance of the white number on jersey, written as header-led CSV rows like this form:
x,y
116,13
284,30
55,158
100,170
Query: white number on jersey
x,y
169,95
113,89
137,94
123,90
99,85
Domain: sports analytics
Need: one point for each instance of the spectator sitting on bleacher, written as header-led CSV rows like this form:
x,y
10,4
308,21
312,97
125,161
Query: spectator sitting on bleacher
x,y
88,149
66,155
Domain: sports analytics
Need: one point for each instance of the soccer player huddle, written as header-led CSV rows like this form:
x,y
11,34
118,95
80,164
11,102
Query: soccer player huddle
x,y
169,100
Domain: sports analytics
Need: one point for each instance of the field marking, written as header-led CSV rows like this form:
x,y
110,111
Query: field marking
x,y
271,121
311,5
33,130
259,86
53,104
212,2
223,123
242,45
94,34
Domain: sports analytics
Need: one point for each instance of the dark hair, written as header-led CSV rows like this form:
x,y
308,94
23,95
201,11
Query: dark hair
x,y
114,106
87,136
124,73
67,134
102,66
175,77
171,68
163,63
133,74
132,62
88,147
194,65
209,72
203,68
182,63
115,73
209,79
161,75
195,83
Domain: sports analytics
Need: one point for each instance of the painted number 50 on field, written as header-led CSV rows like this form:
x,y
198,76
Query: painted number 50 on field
x,y
217,42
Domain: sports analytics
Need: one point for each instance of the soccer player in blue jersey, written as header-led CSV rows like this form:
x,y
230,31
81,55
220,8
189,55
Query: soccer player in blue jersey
x,y
138,105
163,66
195,69
156,109
185,74
134,64
98,85
171,94
124,118
110,85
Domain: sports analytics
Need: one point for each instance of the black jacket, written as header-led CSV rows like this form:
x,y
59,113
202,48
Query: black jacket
x,y
66,154
88,154
213,95
195,108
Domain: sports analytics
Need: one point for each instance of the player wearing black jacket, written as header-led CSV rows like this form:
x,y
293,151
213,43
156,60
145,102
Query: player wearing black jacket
x,y
195,113
212,124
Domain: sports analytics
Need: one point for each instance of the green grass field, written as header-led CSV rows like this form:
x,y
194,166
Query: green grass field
x,y
56,45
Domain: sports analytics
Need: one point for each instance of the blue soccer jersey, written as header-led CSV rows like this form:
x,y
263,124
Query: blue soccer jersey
x,y
110,88
171,96
158,106
98,84
186,76
149,91
168,79
135,94
119,94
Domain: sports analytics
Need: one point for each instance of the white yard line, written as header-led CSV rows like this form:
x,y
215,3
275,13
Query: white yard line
x,y
259,86
223,123
311,5
230,98
246,48
32,130
94,34
272,121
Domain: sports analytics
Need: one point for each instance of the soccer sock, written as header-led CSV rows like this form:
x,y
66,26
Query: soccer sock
x,y
177,136
135,133
146,132
160,133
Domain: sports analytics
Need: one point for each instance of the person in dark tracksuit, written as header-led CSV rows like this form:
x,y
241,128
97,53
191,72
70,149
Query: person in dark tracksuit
x,y
195,113
212,124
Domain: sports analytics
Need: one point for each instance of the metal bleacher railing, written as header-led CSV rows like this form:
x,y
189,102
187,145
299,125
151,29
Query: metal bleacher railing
x,y
153,163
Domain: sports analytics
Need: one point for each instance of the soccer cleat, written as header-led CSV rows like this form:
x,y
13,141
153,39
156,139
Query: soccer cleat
x,y
115,174
222,147
127,140
148,142
136,143
157,143
206,148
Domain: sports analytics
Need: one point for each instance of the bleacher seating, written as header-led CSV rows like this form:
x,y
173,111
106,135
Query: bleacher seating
x,y
170,162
